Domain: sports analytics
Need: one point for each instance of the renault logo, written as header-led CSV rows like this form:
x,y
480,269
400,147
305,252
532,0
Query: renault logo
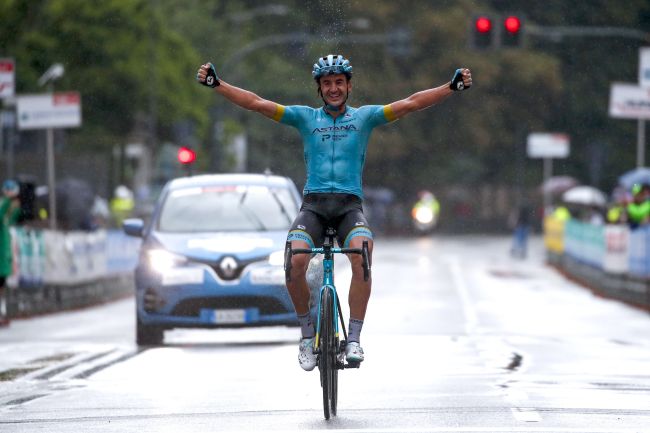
x,y
228,267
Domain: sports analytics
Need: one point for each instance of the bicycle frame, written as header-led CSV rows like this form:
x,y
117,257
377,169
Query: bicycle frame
x,y
330,352
328,251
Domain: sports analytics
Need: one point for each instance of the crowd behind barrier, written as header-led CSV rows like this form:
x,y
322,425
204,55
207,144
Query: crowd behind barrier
x,y
54,270
612,259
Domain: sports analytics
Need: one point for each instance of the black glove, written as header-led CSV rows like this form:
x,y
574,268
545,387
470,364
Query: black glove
x,y
457,81
211,80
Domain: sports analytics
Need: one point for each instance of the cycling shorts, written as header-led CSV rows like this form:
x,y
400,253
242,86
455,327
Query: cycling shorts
x,y
342,212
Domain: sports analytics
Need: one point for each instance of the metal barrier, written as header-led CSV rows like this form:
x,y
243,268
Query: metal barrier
x,y
613,260
55,271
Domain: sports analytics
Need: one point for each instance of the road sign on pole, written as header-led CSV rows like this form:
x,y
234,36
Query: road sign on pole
x,y
50,110
629,101
547,145
7,78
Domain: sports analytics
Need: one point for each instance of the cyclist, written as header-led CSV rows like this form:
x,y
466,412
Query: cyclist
x,y
335,137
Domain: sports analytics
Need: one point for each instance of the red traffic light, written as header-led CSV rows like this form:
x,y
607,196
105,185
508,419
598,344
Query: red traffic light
x,y
186,155
483,24
512,24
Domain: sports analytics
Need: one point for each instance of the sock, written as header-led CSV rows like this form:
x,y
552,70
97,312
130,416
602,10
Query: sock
x,y
306,327
354,333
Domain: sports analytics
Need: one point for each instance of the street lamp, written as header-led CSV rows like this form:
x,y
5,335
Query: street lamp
x,y
52,74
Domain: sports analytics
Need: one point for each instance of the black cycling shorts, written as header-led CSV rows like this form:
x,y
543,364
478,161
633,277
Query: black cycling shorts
x,y
342,212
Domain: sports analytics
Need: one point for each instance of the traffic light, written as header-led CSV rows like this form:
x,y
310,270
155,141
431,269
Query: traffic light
x,y
513,31
186,155
482,32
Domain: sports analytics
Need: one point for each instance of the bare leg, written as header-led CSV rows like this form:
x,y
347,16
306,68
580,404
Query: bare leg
x,y
298,288
359,289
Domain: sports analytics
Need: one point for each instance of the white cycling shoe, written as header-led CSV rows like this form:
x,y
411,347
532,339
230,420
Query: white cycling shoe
x,y
353,352
306,355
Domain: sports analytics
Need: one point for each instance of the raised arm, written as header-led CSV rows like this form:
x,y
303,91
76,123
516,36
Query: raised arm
x,y
427,98
206,75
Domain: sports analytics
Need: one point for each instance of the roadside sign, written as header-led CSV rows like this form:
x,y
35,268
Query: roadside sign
x,y
7,78
51,110
644,67
629,101
547,145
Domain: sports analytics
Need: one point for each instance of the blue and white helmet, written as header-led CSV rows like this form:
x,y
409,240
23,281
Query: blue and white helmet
x,y
330,65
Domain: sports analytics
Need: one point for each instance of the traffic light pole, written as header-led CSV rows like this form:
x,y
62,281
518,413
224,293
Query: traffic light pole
x,y
556,34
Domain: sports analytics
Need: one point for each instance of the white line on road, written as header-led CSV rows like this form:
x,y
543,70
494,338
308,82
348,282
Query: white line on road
x,y
525,414
503,429
519,413
471,320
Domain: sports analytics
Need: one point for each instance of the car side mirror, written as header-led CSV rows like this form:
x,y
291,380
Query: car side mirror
x,y
133,227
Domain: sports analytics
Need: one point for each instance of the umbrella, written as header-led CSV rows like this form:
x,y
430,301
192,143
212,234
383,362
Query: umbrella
x,y
586,195
640,175
558,184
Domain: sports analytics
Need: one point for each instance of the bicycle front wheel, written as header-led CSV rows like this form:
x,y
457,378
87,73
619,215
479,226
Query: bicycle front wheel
x,y
327,357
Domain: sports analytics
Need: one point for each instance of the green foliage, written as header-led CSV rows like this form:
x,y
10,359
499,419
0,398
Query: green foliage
x,y
119,54
134,62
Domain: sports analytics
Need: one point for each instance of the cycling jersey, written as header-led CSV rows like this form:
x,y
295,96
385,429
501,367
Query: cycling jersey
x,y
334,148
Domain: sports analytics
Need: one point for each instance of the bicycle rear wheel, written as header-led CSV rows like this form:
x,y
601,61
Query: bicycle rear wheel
x,y
327,357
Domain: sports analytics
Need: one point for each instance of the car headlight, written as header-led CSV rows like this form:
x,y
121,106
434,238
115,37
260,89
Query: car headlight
x,y
162,260
276,258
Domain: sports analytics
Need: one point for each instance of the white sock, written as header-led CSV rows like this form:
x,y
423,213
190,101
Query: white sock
x,y
306,326
355,330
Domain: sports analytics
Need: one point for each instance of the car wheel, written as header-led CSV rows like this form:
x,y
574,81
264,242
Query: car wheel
x,y
148,335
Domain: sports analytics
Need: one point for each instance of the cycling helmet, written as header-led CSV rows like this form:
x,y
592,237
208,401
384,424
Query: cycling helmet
x,y
330,65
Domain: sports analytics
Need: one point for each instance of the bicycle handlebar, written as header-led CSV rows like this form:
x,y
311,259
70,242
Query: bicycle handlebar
x,y
363,251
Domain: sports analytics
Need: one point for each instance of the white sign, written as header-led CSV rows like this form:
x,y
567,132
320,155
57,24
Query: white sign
x,y
7,78
52,110
629,101
545,145
644,67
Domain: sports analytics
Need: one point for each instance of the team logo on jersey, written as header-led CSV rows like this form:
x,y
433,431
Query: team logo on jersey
x,y
350,127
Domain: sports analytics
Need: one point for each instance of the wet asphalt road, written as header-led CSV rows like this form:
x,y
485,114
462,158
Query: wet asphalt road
x,y
459,337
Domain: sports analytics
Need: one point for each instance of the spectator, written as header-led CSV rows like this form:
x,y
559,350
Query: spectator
x,y
9,214
520,235
638,211
561,213
122,204
616,213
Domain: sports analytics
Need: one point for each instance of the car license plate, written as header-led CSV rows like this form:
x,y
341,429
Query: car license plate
x,y
231,316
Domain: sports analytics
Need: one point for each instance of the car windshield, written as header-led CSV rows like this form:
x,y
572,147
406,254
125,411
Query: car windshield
x,y
227,208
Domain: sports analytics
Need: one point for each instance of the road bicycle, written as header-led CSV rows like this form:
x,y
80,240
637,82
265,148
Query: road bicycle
x,y
329,350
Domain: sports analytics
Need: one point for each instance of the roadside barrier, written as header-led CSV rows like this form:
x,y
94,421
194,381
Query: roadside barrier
x,y
56,271
613,260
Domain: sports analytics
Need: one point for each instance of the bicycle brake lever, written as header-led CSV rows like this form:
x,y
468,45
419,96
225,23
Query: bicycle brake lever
x,y
287,261
366,262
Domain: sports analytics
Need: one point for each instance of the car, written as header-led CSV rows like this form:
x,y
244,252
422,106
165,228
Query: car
x,y
212,255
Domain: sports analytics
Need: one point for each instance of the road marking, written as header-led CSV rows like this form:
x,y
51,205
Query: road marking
x,y
519,413
471,320
504,429
525,414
